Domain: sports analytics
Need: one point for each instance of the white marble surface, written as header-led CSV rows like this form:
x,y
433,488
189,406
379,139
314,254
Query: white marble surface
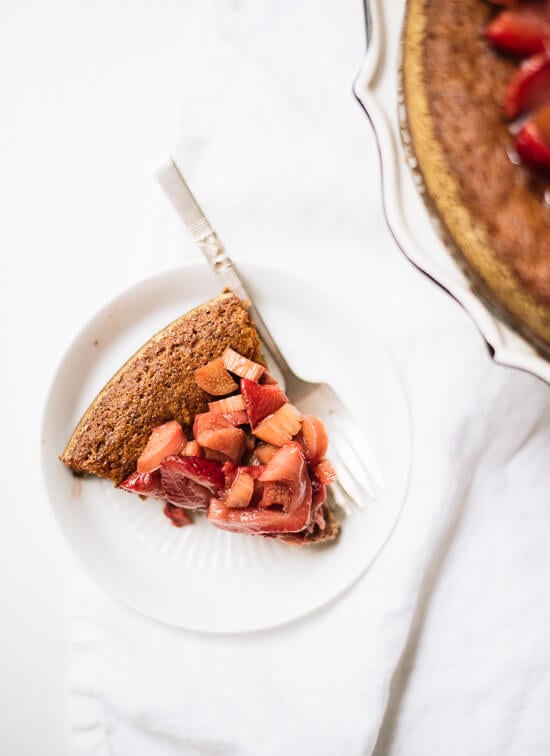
x,y
93,95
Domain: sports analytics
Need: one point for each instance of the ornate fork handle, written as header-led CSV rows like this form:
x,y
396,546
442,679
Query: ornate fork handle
x,y
186,205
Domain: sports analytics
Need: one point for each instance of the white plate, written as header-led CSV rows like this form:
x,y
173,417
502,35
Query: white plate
x,y
377,89
199,577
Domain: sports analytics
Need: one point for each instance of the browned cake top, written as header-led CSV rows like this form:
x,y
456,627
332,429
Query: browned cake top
x,y
454,89
467,81
157,385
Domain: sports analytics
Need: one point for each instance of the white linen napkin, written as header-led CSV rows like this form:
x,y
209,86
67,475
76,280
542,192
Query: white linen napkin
x,y
284,164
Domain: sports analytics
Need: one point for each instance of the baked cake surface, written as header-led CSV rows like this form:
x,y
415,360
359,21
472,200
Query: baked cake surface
x,y
157,385
493,210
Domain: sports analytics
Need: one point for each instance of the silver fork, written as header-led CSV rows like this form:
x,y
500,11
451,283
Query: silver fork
x,y
359,478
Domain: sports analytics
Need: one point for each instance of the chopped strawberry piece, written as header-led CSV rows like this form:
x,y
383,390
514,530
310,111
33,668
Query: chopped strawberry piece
x,y
178,516
315,438
144,484
241,491
531,142
191,481
192,449
241,366
265,453
522,31
279,428
237,418
227,405
529,89
164,440
261,400
214,378
324,471
228,441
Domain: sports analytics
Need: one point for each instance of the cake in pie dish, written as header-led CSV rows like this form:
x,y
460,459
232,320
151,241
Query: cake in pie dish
x,y
476,89
195,419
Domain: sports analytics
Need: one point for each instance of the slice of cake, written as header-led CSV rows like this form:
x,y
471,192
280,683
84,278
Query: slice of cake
x,y
195,419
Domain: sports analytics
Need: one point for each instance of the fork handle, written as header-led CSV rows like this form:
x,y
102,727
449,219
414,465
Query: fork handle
x,y
174,185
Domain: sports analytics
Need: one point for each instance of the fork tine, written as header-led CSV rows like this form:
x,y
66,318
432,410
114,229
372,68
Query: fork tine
x,y
340,497
348,484
358,449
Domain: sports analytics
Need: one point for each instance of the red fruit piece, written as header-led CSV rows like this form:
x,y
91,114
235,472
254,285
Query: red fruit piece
x,y
533,140
529,89
241,366
178,516
164,440
144,484
279,428
227,405
241,491
324,471
315,438
261,400
521,31
191,481
214,378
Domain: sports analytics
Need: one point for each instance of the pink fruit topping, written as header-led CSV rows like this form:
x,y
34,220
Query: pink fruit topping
x,y
227,405
279,428
214,379
324,471
241,491
529,89
241,366
315,438
533,140
144,484
191,481
261,400
265,452
164,440
237,418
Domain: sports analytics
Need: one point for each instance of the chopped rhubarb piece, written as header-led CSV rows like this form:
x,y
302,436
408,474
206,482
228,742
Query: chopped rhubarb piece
x,y
285,478
228,441
227,405
529,89
315,438
521,31
237,418
324,471
178,516
278,428
532,143
241,491
229,470
144,484
164,441
191,449
241,366
261,400
214,378
208,421
265,453
191,481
